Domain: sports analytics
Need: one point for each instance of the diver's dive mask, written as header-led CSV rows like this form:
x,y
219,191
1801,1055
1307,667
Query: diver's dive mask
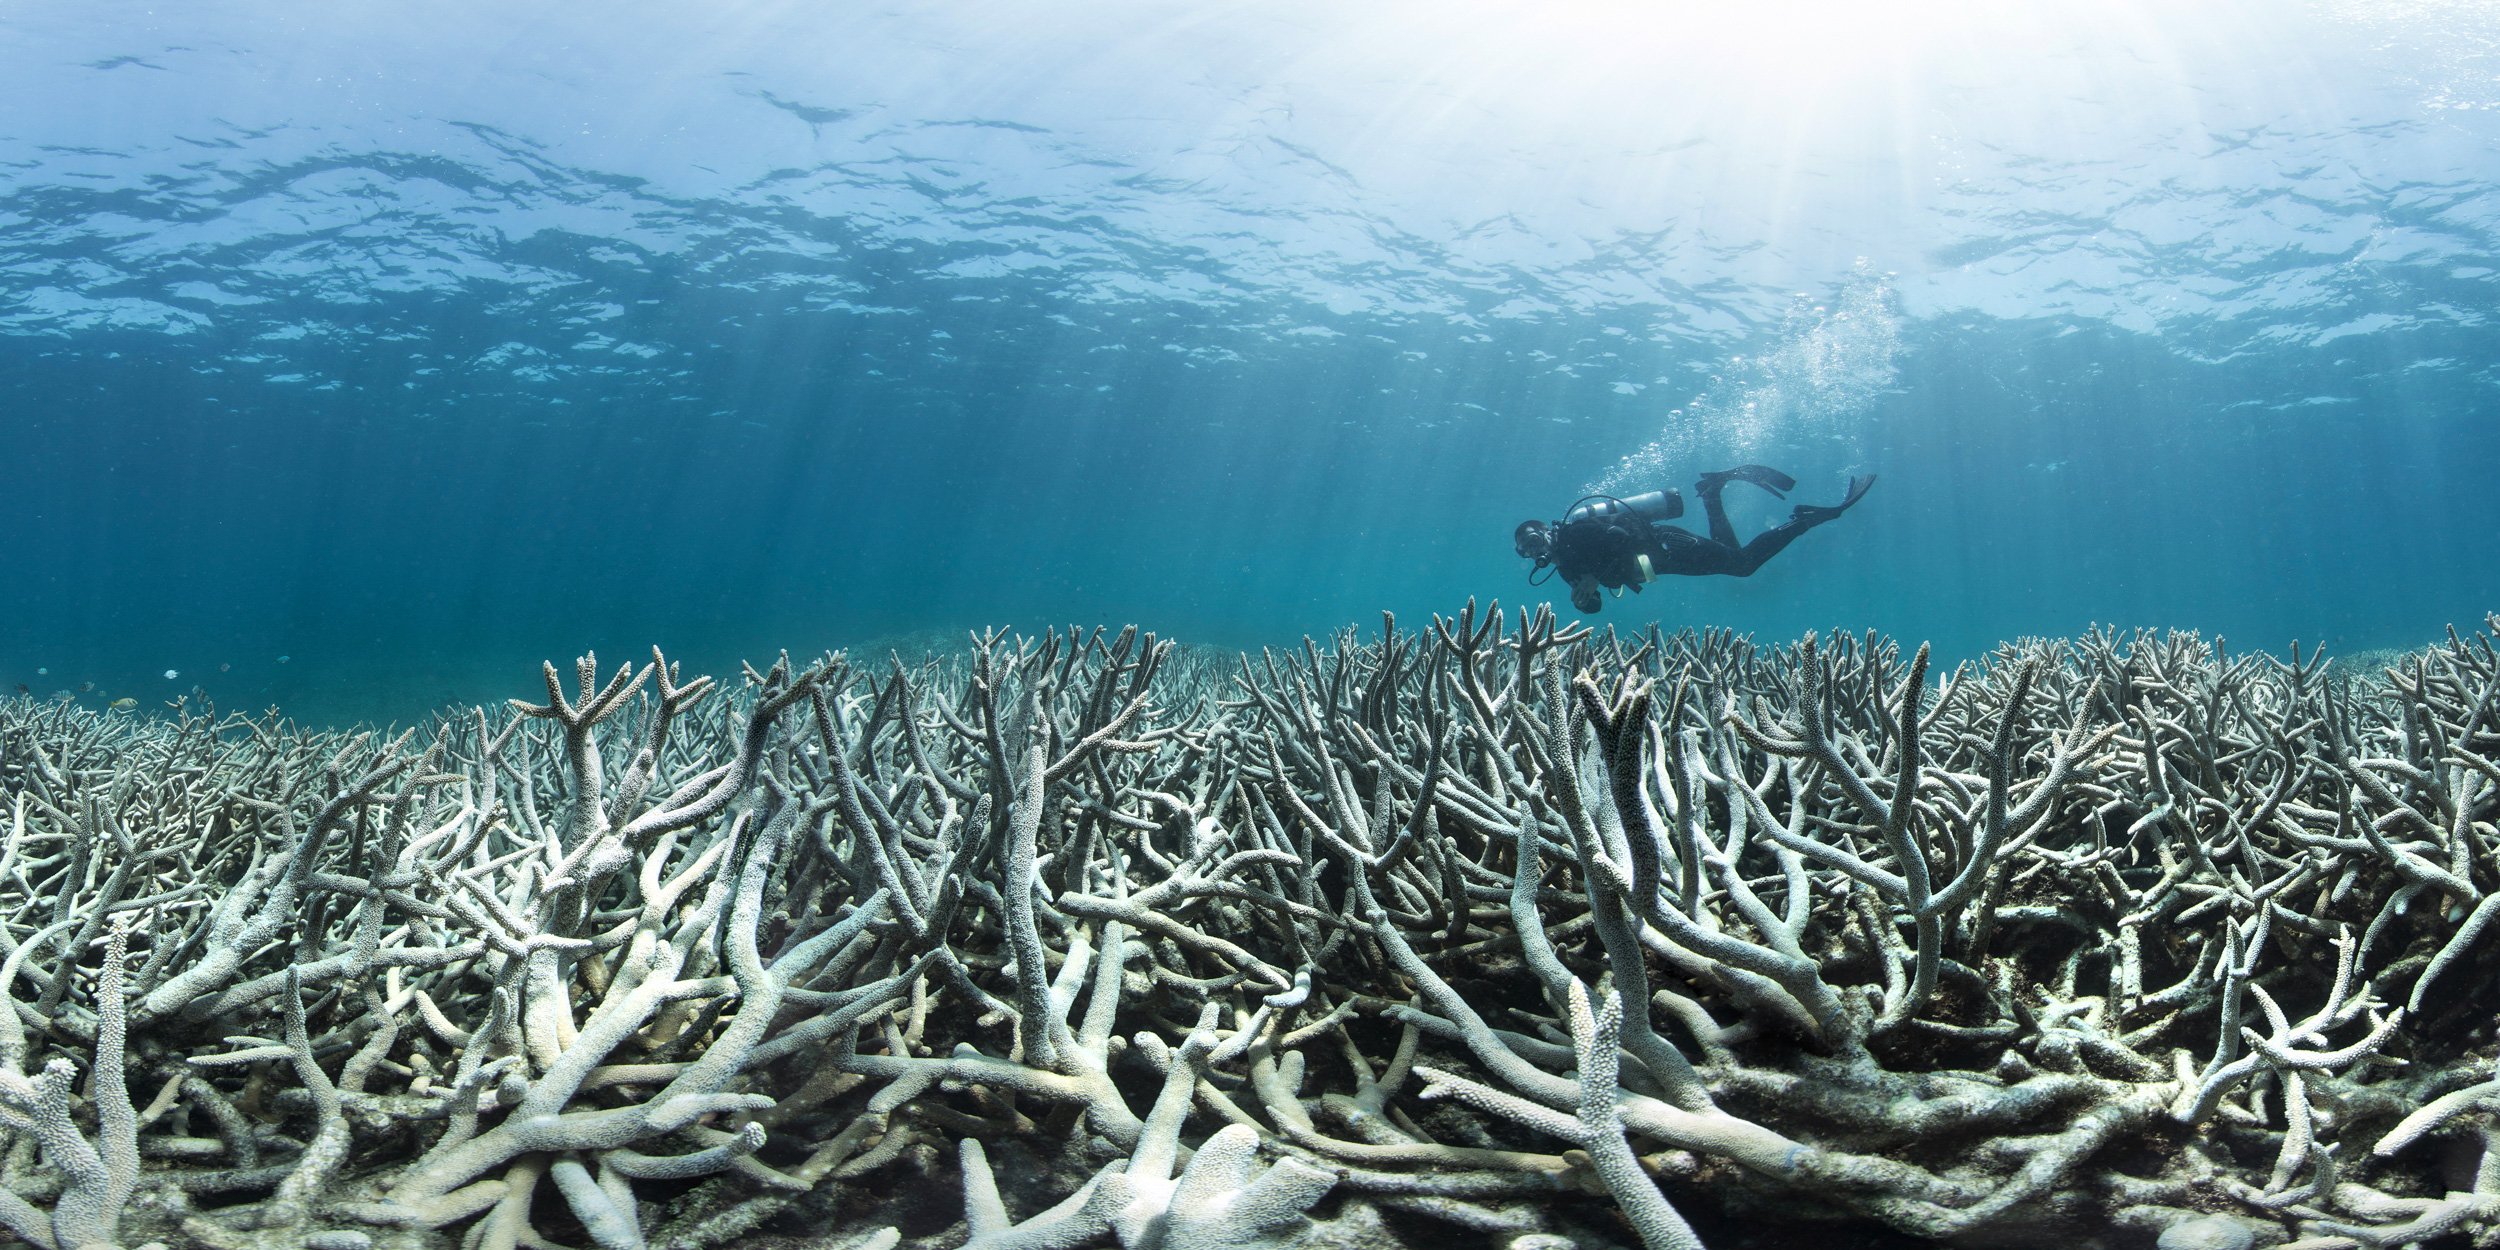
x,y
1533,540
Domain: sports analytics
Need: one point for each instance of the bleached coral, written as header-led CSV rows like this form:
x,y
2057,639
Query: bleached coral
x,y
1502,924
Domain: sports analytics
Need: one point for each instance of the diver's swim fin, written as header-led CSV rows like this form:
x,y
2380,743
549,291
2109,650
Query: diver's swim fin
x,y
1762,475
1812,515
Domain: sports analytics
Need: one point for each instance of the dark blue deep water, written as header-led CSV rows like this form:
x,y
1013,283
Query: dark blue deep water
x,y
419,343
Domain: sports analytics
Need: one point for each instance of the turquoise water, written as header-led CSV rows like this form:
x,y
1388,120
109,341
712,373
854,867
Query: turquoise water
x,y
417,345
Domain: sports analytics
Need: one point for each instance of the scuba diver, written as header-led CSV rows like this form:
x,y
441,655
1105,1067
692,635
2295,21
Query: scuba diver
x,y
1615,543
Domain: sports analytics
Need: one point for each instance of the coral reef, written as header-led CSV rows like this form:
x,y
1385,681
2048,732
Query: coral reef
x,y
1502,928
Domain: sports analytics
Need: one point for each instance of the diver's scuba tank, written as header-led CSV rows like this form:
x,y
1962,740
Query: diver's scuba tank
x,y
1656,505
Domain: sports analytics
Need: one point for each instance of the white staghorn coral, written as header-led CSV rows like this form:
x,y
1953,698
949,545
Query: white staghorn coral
x,y
2104,933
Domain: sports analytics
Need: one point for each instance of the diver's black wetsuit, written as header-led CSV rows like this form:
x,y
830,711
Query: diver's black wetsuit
x,y
1603,543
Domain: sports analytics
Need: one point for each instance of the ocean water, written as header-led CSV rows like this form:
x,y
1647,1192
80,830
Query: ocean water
x,y
356,358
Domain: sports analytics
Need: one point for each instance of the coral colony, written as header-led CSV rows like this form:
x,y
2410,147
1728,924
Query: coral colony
x,y
1503,929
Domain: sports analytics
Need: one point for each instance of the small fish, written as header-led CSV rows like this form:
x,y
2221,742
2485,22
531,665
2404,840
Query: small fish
x,y
43,672
284,658
22,690
173,674
123,704
86,687
225,668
